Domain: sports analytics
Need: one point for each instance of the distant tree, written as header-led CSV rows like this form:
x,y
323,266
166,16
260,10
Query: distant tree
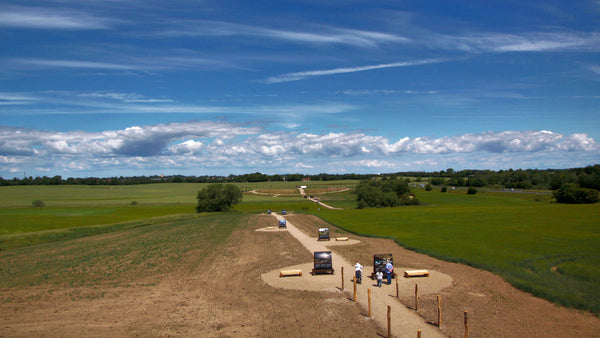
x,y
572,193
218,197
437,181
471,191
38,203
384,193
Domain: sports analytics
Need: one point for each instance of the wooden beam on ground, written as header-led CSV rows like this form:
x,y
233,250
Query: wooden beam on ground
x,y
341,238
286,273
416,273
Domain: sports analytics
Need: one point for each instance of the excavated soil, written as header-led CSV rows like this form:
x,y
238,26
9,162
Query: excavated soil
x,y
226,296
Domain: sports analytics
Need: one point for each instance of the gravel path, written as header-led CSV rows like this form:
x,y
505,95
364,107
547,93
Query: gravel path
x,y
404,322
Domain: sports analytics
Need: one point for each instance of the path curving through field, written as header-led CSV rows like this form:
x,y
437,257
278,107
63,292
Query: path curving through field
x,y
404,322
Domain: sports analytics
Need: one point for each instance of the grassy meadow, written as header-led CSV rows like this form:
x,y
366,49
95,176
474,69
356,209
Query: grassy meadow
x,y
548,249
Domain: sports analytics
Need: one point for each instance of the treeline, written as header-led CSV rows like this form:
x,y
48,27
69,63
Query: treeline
x,y
130,180
587,177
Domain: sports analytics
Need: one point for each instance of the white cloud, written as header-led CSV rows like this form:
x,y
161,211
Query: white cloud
x,y
44,18
227,146
124,97
503,42
320,35
314,73
77,64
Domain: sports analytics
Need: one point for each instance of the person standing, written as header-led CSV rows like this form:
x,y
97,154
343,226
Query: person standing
x,y
379,275
389,268
358,272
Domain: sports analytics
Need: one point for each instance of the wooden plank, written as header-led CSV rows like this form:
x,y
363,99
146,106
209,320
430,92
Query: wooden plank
x,y
341,238
286,273
416,273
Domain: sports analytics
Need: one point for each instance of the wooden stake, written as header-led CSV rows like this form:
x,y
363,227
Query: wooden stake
x,y
397,287
389,333
439,305
416,297
466,324
369,290
342,278
418,333
354,279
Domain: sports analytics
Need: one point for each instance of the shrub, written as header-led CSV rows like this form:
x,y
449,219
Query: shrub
x,y
428,187
471,191
218,197
444,189
572,193
38,203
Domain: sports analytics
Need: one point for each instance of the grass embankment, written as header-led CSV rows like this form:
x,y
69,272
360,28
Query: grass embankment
x,y
126,258
549,250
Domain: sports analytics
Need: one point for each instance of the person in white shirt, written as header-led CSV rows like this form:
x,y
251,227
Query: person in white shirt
x,y
379,275
358,272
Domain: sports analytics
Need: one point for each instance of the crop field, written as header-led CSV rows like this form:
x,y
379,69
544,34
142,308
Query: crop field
x,y
141,252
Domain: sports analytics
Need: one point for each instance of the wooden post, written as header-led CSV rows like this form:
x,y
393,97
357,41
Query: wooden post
x,y
416,297
418,333
354,279
369,290
342,278
389,333
397,287
439,305
466,324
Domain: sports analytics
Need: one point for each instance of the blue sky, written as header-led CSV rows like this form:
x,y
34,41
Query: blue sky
x,y
119,88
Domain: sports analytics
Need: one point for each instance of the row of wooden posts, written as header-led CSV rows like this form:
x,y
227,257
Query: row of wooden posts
x,y
389,308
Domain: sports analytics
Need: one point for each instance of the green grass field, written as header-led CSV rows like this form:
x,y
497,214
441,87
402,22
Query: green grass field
x,y
548,249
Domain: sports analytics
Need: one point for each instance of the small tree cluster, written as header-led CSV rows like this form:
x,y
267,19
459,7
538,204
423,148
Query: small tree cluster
x,y
218,197
384,193
471,191
574,194
38,203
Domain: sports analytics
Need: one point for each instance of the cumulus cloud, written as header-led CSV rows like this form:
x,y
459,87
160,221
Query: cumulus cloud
x,y
225,145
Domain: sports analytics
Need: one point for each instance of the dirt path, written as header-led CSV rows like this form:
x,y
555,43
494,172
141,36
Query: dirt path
x,y
404,323
319,202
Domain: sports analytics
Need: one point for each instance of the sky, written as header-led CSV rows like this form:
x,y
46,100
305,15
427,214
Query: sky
x,y
109,88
